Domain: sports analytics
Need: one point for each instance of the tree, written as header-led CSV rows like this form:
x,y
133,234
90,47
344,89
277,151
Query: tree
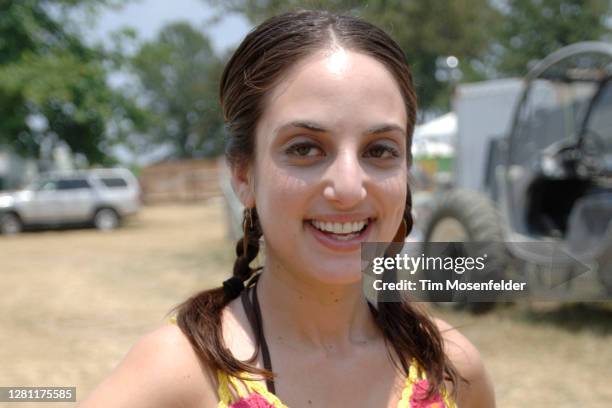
x,y
179,73
532,29
53,86
426,31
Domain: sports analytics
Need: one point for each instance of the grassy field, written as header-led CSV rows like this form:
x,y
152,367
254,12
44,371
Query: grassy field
x,y
74,301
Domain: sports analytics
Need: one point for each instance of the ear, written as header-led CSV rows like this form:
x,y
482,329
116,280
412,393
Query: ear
x,y
242,183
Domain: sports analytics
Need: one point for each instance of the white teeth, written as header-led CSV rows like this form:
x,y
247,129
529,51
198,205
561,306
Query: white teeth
x,y
339,228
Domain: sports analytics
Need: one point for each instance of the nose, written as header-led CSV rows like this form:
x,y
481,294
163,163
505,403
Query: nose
x,y
344,180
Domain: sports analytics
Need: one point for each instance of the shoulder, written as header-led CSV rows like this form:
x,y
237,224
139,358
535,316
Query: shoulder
x,y
161,370
478,391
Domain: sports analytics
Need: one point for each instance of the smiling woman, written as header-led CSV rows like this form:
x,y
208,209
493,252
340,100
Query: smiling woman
x,y
320,110
324,159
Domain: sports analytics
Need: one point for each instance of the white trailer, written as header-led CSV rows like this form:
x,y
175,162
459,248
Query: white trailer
x,y
484,113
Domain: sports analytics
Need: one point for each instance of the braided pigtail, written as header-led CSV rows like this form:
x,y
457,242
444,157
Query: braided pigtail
x,y
247,249
200,317
412,333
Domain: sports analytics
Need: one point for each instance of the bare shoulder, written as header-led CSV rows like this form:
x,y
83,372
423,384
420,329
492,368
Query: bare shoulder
x,y
161,370
478,392
461,351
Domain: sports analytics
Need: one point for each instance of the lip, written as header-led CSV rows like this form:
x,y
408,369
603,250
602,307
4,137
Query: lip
x,y
336,245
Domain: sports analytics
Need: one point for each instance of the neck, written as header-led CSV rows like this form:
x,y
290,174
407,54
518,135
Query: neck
x,y
313,313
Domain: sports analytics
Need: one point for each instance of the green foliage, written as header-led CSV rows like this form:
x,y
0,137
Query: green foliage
x,y
47,72
179,73
425,30
490,38
531,29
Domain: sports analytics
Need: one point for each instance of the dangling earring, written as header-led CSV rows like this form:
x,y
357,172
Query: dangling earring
x,y
247,225
400,235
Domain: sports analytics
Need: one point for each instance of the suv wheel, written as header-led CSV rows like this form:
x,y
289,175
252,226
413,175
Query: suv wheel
x,y
10,224
106,219
466,216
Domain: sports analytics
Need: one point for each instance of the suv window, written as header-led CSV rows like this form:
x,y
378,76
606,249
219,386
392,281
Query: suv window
x,y
114,182
46,185
72,184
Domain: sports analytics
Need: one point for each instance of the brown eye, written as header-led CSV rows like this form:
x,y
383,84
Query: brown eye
x,y
304,150
382,152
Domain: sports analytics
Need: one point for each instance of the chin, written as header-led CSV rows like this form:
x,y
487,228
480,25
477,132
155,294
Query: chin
x,y
338,273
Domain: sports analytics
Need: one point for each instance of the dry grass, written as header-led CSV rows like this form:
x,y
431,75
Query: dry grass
x,y
545,355
73,302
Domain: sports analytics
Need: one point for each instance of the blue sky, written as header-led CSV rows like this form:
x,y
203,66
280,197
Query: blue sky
x,y
148,16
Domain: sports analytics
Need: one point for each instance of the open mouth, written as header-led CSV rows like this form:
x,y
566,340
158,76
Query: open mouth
x,y
341,231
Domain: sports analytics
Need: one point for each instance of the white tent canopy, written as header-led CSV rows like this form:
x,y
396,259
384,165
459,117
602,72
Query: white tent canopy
x,y
436,137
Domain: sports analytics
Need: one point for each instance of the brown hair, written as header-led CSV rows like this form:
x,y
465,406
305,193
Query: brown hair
x,y
265,55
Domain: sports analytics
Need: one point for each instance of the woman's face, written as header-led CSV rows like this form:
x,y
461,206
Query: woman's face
x,y
330,165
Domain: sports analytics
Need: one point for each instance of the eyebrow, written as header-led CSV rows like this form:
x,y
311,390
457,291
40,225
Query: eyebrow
x,y
315,127
384,129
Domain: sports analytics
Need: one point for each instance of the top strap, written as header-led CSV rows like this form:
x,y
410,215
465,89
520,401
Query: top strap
x,y
253,312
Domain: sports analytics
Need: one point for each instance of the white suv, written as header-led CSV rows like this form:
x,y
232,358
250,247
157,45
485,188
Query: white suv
x,y
101,196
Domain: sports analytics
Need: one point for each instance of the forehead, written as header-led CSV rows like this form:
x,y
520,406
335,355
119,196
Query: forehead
x,y
339,88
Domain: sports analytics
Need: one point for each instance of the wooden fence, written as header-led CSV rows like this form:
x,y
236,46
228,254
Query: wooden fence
x,y
181,180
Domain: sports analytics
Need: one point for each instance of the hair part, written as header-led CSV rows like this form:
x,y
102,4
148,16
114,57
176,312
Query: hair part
x,y
267,54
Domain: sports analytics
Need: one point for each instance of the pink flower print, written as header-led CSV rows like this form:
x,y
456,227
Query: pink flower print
x,y
417,399
252,401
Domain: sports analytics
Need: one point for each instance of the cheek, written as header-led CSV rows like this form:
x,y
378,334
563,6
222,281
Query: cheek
x,y
393,192
395,189
279,197
280,202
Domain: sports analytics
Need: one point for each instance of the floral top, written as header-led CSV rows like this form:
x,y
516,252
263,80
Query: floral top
x,y
253,394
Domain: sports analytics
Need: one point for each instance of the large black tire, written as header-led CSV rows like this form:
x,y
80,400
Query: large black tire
x,y
467,216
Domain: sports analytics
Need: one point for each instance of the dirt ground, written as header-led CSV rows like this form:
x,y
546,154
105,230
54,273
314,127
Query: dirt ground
x,y
74,301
